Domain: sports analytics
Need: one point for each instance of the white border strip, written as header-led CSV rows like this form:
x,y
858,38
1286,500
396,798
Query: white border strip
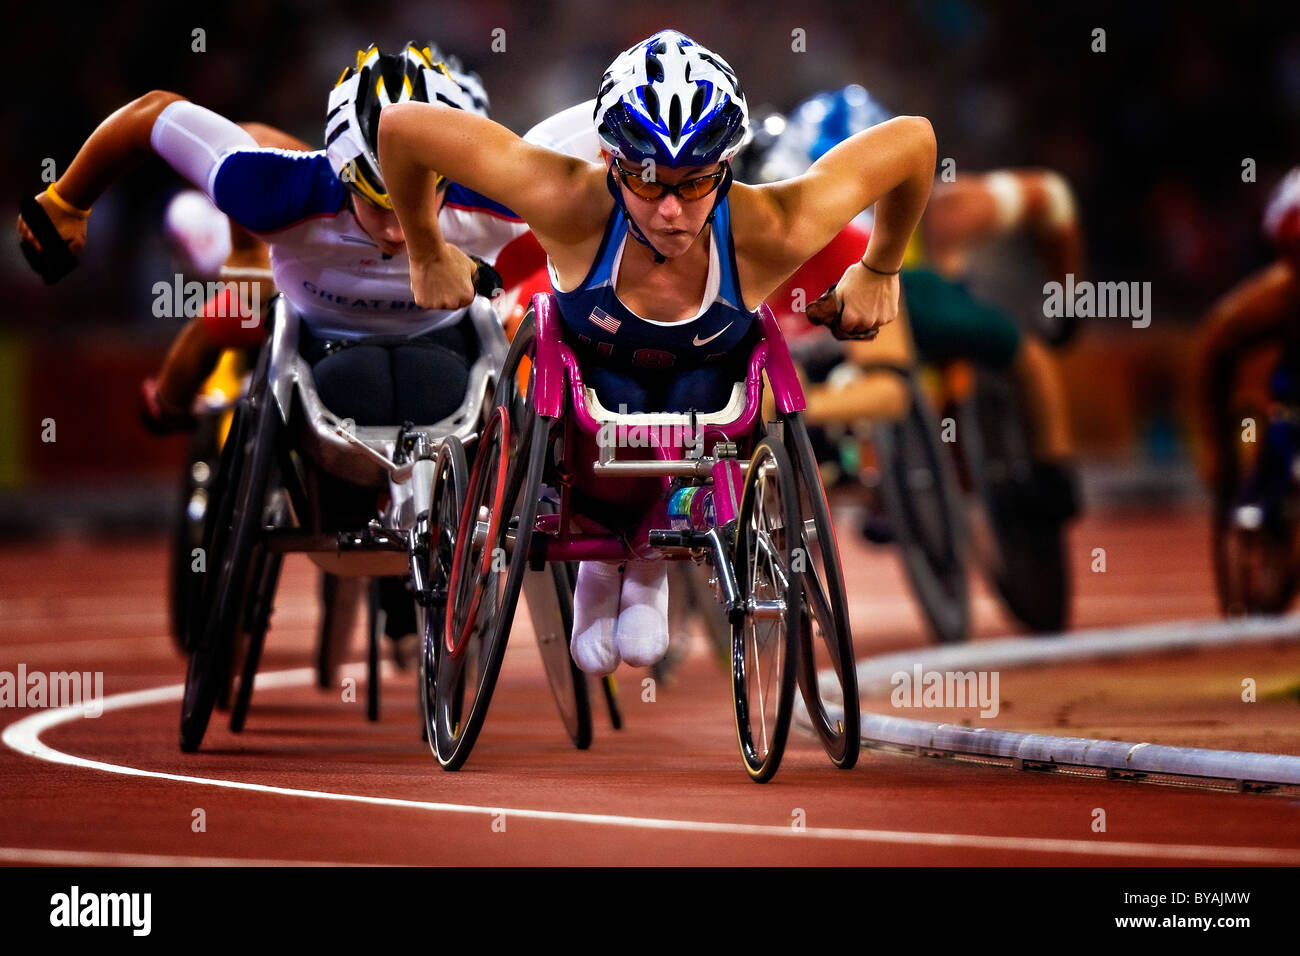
x,y
874,678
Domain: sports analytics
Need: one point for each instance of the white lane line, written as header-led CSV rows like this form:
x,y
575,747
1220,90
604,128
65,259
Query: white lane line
x,y
17,855
24,737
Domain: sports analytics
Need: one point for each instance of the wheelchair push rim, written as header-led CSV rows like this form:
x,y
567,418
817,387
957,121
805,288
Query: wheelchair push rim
x,y
450,482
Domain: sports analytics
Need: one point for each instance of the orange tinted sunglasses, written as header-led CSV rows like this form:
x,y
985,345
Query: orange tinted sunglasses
x,y
687,191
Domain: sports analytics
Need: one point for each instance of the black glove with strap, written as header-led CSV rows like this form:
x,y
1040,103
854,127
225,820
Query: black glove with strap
x,y
54,259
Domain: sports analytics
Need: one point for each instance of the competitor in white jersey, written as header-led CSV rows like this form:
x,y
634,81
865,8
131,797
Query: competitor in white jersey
x,y
337,251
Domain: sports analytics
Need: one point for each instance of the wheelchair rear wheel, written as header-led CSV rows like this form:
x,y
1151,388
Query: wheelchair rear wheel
x,y
267,577
764,649
1029,566
920,491
828,679
235,532
488,565
450,480
199,492
549,596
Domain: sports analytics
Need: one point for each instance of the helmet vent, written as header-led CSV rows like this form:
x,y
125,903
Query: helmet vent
x,y
675,119
654,69
697,103
652,103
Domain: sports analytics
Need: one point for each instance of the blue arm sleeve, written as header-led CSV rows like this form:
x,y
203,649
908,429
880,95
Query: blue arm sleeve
x,y
265,190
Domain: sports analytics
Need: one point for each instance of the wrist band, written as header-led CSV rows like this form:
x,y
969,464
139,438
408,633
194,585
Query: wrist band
x,y
63,204
878,272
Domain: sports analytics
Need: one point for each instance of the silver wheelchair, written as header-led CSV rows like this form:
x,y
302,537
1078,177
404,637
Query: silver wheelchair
x,y
265,501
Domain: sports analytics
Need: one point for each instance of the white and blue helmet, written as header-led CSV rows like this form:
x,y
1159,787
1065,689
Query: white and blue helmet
x,y
812,129
673,101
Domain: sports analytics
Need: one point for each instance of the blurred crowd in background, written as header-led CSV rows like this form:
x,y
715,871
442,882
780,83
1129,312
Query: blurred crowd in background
x,y
1152,132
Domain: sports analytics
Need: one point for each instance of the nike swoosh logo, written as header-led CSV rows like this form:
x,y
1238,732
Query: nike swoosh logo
x,y
697,341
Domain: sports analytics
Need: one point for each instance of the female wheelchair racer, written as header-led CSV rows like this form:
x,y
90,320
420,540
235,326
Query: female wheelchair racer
x,y
663,323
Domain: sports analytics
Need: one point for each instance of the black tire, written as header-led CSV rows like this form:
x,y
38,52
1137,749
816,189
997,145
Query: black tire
x,y
765,648
230,560
609,687
554,626
198,489
1028,565
450,480
258,621
1255,569
549,595
826,640
374,641
920,491
481,604
522,347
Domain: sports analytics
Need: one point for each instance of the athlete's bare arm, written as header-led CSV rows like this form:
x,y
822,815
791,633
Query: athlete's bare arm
x,y
562,199
113,148
986,205
779,226
1252,313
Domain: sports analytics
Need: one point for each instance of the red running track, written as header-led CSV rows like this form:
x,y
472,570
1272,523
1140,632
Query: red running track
x,y
668,789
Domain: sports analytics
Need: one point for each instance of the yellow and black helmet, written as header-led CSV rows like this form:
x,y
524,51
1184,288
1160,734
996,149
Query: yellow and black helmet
x,y
420,74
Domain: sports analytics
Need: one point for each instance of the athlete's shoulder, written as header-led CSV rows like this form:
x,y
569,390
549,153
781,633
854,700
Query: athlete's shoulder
x,y
266,189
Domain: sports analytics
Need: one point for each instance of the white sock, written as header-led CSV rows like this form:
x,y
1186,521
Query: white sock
x,y
642,629
595,610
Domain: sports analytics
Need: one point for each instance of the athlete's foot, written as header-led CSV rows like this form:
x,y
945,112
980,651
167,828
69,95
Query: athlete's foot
x,y
595,612
642,628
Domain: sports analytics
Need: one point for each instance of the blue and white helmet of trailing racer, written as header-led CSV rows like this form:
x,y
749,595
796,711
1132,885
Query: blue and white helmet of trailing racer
x,y
817,125
420,74
672,101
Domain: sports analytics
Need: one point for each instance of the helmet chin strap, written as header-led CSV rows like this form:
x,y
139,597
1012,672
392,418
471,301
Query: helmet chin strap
x,y
612,184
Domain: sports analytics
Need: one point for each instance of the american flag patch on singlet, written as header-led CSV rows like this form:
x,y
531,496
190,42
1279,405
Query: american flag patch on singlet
x,y
603,319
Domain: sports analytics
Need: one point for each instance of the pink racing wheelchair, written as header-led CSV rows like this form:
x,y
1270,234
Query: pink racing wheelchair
x,y
558,479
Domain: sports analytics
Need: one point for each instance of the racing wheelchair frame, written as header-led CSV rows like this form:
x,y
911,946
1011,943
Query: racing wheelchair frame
x,y
548,488
263,505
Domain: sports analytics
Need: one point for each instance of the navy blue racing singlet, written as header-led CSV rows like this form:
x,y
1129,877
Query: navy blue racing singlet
x,y
607,328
